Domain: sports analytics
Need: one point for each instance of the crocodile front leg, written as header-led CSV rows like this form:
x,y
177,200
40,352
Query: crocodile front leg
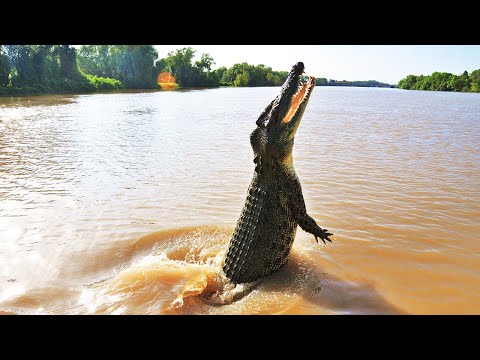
x,y
308,224
305,221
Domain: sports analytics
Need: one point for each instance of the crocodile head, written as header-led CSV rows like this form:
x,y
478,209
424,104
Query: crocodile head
x,y
272,140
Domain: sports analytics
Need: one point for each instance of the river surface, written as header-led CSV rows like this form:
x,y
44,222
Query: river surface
x,y
124,203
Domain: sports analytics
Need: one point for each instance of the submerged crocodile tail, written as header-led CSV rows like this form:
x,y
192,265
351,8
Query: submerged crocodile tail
x,y
245,239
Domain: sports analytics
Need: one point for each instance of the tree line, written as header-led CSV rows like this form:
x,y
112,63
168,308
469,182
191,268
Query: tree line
x,y
443,81
358,83
31,69
106,61
38,69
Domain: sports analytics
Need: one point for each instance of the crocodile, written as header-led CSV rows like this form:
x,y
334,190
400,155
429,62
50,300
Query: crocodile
x,y
267,226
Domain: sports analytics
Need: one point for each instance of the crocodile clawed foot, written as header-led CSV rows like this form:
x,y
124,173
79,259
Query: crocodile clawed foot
x,y
323,234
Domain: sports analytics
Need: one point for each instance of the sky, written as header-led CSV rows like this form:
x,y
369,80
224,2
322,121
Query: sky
x,y
385,63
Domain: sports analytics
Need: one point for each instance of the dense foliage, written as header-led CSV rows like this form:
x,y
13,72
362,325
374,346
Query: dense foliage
x,y
442,81
102,83
366,83
132,65
34,69
250,75
186,72
37,69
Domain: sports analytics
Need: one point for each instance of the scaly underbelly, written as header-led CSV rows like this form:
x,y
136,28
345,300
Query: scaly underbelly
x,y
263,236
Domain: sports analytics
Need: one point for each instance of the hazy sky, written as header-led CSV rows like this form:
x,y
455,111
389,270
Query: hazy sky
x,y
386,63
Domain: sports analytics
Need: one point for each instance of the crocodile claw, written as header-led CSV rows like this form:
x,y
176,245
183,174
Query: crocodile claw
x,y
323,235
316,239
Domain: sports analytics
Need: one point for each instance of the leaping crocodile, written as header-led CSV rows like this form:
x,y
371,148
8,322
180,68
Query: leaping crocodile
x,y
266,229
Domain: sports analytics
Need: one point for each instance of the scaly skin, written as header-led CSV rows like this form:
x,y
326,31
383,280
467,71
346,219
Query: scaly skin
x,y
274,206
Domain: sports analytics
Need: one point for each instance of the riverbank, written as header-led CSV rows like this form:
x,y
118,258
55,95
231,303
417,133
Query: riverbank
x,y
15,92
81,83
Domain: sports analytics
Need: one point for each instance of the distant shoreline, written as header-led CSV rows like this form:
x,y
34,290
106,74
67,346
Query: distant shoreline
x,y
443,81
180,89
362,86
16,94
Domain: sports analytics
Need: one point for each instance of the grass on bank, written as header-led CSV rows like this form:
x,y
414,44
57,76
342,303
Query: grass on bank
x,y
81,84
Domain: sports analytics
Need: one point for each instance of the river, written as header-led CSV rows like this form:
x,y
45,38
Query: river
x,y
124,203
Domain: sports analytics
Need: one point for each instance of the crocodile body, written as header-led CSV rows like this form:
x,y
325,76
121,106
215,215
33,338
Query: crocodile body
x,y
266,229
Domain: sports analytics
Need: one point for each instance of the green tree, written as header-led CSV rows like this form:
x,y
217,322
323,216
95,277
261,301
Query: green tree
x,y
179,63
272,79
475,87
188,74
4,67
68,60
230,75
219,72
160,65
140,60
242,79
133,65
407,82
45,68
466,81
259,75
321,82
475,80
205,63
21,58
95,60
460,83
443,81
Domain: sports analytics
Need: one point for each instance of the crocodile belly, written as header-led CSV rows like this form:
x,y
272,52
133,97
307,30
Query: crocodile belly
x,y
262,238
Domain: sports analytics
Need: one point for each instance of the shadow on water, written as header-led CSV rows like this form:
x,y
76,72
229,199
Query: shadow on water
x,y
324,290
302,287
